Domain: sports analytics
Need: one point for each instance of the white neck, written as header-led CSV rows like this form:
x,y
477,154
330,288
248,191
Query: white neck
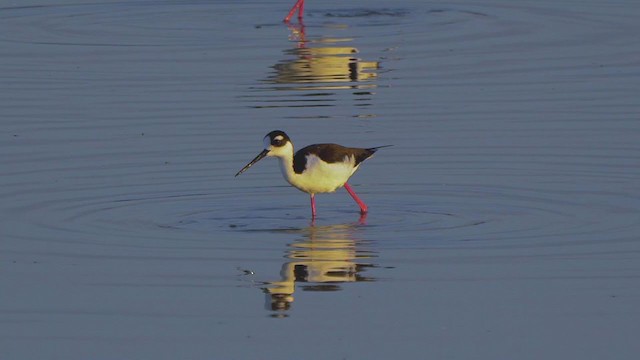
x,y
286,166
285,157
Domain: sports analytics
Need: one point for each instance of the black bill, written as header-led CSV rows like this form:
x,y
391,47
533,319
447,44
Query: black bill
x,y
257,158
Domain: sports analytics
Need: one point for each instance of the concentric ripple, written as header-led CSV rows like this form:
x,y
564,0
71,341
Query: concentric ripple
x,y
137,147
126,23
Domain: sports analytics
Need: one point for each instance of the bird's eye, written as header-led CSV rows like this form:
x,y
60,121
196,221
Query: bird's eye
x,y
277,141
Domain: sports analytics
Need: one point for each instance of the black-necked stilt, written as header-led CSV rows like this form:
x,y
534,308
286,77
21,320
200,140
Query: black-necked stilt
x,y
298,6
318,168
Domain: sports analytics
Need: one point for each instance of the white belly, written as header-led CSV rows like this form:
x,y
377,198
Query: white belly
x,y
319,176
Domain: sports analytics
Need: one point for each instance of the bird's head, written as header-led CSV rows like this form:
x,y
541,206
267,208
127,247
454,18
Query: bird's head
x,y
276,143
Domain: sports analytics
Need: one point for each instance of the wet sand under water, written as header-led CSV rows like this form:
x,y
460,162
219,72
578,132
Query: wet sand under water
x,y
504,221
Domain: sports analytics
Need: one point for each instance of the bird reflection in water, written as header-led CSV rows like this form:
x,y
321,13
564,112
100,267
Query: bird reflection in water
x,y
322,61
324,258
320,68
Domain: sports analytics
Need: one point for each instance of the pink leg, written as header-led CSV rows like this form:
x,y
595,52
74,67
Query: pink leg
x,y
313,206
363,206
301,10
298,6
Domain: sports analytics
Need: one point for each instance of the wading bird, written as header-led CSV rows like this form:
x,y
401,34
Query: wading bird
x,y
318,168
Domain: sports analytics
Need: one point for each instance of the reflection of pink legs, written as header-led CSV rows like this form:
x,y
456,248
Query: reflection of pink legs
x,y
313,206
363,206
363,219
299,6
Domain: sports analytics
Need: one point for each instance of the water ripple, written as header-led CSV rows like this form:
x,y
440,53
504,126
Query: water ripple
x,y
507,135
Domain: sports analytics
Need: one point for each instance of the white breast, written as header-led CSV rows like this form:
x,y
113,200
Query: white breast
x,y
319,176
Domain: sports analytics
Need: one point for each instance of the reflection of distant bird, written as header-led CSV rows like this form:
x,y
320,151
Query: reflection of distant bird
x,y
325,65
299,6
327,69
318,168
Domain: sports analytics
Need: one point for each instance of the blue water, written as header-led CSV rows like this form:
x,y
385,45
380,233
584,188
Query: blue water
x,y
504,222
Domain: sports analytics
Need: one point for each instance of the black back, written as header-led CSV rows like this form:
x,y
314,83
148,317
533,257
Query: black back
x,y
330,153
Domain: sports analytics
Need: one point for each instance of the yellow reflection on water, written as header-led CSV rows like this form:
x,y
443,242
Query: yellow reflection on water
x,y
321,260
325,68
319,72
321,61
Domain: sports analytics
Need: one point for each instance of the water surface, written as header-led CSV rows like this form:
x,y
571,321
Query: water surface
x,y
504,222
